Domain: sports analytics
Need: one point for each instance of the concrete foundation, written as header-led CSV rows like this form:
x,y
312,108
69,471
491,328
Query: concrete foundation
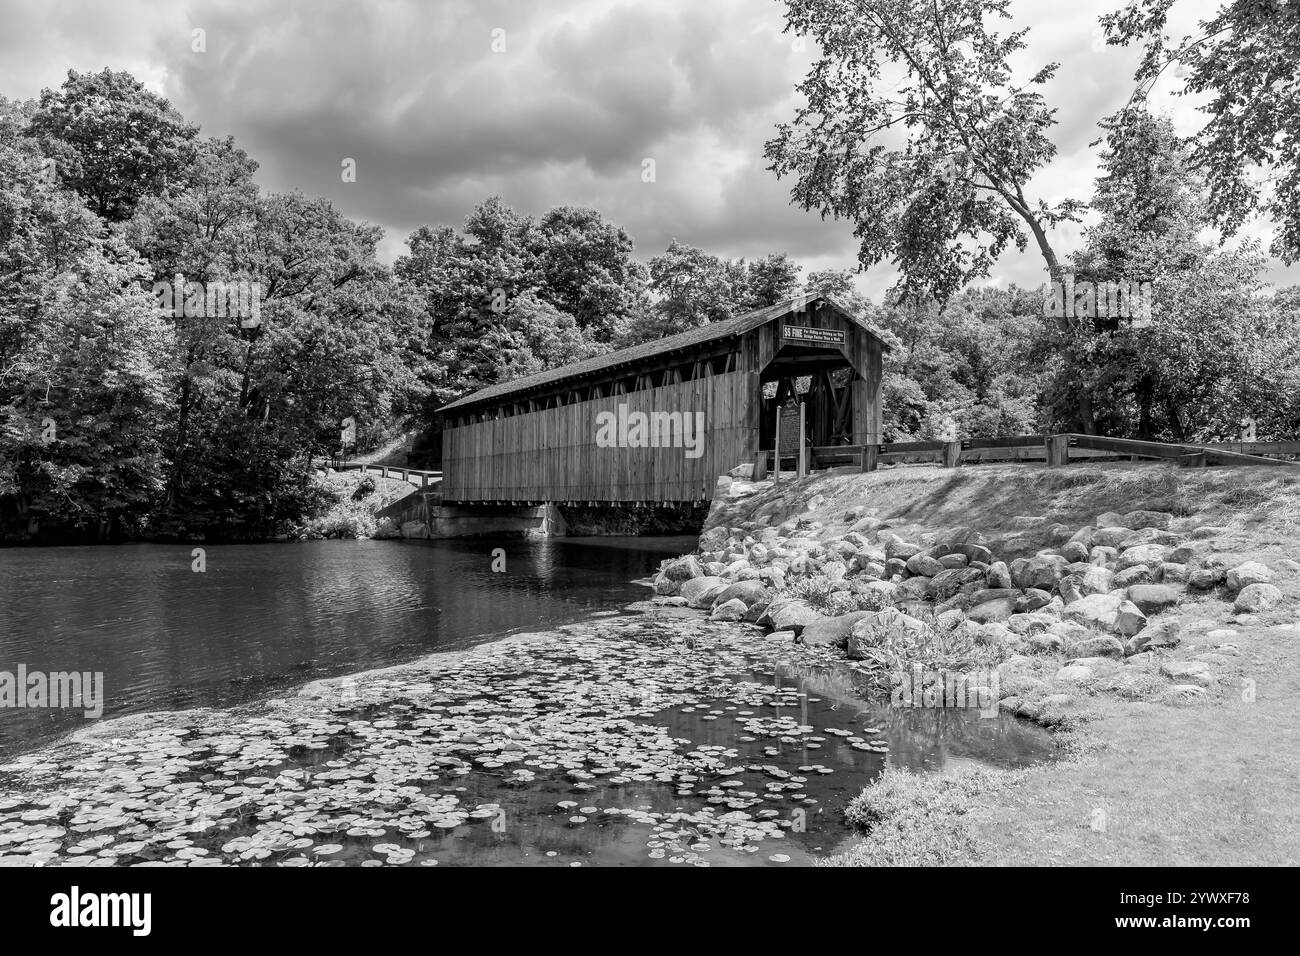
x,y
425,516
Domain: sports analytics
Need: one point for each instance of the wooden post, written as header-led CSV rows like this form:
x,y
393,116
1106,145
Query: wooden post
x,y
951,454
870,457
1058,450
424,481
776,453
760,466
803,448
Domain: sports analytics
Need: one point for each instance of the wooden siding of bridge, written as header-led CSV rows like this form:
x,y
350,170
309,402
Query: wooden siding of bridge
x,y
552,455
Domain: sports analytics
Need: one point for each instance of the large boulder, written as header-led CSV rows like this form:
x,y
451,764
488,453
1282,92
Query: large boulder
x,y
748,592
1204,579
913,589
1129,577
683,568
998,575
1074,551
1027,625
896,547
1161,633
791,615
700,592
1041,571
1254,598
1171,572
832,631
1110,537
666,587
733,610
1248,573
1186,553
1032,599
949,581
1151,554
1094,610
1129,619
887,625
1097,580
923,565
994,610
1153,598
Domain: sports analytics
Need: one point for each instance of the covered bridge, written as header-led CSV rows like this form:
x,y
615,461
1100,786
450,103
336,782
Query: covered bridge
x,y
658,422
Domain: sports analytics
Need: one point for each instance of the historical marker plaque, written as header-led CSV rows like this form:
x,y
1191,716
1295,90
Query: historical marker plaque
x,y
791,436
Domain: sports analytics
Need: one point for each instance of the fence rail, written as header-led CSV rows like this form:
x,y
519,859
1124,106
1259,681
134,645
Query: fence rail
x,y
415,476
1057,449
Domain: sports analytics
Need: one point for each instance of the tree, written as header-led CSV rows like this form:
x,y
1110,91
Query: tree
x,y
82,390
915,131
1178,374
513,295
112,140
587,270
767,281
1243,57
691,288
965,370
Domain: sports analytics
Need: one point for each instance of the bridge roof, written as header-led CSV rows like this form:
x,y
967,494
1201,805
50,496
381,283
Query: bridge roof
x,y
652,350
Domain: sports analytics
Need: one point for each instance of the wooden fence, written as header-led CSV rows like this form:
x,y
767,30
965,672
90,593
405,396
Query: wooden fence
x,y
1055,450
416,476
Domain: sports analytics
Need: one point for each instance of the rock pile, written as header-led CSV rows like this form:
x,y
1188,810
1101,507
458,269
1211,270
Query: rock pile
x,y
1100,593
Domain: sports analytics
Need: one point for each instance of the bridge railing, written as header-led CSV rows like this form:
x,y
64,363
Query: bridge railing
x,y
418,476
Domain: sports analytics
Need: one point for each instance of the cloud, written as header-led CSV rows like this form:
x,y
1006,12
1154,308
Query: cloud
x,y
583,91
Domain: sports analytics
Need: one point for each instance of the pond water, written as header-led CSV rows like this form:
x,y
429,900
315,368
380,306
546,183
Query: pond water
x,y
263,618
623,739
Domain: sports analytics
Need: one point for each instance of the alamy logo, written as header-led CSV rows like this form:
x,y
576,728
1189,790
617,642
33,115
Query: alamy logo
x,y
919,687
1068,299
626,429
75,908
235,298
66,689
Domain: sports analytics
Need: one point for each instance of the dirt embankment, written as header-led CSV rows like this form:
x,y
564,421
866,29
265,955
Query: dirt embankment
x,y
1147,612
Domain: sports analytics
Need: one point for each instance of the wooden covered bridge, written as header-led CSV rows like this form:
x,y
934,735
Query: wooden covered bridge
x,y
659,422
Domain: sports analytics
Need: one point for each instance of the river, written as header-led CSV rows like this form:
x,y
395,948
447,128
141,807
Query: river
x,y
265,617
491,749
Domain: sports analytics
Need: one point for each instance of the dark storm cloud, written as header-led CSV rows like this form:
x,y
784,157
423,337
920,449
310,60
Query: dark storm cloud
x,y
582,94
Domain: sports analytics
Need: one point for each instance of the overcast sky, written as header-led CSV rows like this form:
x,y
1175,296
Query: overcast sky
x,y
583,92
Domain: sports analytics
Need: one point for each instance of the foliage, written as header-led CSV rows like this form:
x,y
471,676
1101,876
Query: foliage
x,y
112,140
915,130
1242,58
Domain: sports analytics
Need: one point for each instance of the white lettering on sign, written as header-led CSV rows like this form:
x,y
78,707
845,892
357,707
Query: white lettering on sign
x,y
811,335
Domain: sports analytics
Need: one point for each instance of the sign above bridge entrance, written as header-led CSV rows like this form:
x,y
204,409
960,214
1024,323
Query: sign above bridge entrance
x,y
810,335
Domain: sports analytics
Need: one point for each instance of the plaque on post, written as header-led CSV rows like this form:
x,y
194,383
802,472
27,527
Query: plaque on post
x,y
789,428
